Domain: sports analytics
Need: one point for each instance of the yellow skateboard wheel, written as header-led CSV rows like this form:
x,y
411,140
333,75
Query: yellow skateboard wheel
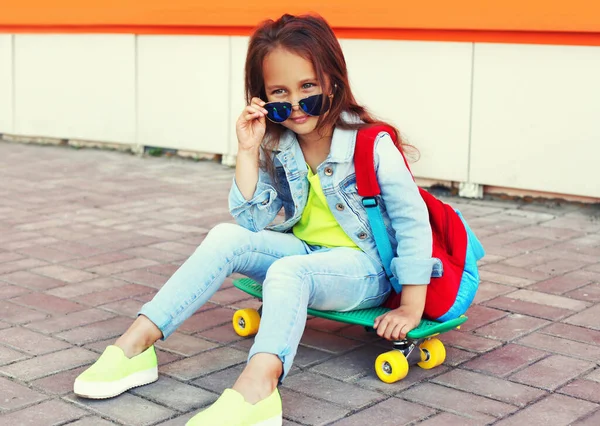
x,y
391,366
246,322
433,353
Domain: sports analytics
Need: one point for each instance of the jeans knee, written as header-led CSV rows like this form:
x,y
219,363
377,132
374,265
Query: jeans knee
x,y
286,272
224,233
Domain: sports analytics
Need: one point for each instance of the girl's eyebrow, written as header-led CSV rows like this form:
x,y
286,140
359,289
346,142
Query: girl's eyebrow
x,y
283,86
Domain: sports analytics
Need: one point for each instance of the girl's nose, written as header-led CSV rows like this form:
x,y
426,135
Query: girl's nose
x,y
295,107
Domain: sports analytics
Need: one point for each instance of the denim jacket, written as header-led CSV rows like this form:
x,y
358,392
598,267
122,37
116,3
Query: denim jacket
x,y
404,211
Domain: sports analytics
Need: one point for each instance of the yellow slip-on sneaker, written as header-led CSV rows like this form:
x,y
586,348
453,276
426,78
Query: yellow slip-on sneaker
x,y
113,373
267,412
231,409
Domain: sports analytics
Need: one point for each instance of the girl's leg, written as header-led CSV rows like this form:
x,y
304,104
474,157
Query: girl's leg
x,y
228,248
337,279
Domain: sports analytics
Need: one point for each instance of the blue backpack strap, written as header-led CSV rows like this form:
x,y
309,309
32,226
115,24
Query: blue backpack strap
x,y
368,188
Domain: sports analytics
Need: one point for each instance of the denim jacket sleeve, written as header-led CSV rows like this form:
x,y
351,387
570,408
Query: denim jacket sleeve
x,y
413,263
258,212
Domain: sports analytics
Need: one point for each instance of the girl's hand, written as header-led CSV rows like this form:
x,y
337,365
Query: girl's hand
x,y
251,125
394,324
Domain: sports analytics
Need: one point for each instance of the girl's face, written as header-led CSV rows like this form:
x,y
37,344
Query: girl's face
x,y
290,78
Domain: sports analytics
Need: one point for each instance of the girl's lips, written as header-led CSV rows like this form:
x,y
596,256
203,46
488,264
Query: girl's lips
x,y
300,120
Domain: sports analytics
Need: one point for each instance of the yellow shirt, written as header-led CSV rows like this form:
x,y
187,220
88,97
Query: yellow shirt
x,y
318,226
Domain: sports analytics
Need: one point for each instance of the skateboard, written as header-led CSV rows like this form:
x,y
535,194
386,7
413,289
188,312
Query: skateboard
x,y
420,347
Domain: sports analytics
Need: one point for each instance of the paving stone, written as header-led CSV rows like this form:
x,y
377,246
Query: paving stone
x,y
552,372
511,327
60,383
556,410
583,389
221,380
562,346
45,365
127,409
589,293
97,260
142,277
458,402
11,291
8,356
490,387
560,284
52,412
114,294
548,299
96,331
176,395
80,289
590,420
392,412
205,363
125,307
503,279
528,308
66,322
91,421
327,341
331,390
15,395
207,318
32,281
63,273
489,290
48,254
185,345
505,360
48,303
515,271
355,364
30,342
449,419
570,332
306,410
122,266
587,318
19,265
479,316
469,341
220,334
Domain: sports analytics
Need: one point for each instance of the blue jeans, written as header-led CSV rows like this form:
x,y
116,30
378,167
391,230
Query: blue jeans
x,y
294,276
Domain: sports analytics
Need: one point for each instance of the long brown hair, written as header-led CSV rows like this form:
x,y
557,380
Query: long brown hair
x,y
310,37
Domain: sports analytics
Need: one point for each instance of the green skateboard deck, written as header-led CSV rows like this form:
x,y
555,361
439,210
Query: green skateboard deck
x,y
364,317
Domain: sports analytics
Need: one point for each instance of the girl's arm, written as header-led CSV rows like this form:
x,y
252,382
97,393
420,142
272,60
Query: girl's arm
x,y
413,263
253,199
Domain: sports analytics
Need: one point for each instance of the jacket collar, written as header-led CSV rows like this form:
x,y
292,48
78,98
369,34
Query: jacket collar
x,y
342,142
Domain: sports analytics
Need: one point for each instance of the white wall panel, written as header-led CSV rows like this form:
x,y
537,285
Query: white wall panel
x,y
425,89
536,118
75,86
239,47
183,92
6,84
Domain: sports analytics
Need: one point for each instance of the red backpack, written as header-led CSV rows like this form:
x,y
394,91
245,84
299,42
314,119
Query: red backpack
x,y
450,294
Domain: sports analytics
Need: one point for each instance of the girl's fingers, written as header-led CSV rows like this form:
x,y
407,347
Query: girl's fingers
x,y
258,104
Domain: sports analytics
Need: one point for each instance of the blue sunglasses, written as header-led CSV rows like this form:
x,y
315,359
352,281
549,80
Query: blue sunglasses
x,y
278,112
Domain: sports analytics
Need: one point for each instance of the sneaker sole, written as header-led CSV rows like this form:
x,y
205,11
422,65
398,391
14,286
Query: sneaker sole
x,y
273,421
104,390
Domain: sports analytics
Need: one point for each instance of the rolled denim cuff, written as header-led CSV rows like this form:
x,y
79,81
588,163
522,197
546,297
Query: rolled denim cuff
x,y
414,271
263,196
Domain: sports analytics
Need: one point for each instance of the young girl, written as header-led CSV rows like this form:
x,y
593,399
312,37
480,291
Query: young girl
x,y
296,144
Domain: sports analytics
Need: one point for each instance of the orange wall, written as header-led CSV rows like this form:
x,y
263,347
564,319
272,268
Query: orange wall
x,y
572,21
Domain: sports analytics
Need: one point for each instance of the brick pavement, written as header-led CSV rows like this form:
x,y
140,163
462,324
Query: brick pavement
x,y
87,236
